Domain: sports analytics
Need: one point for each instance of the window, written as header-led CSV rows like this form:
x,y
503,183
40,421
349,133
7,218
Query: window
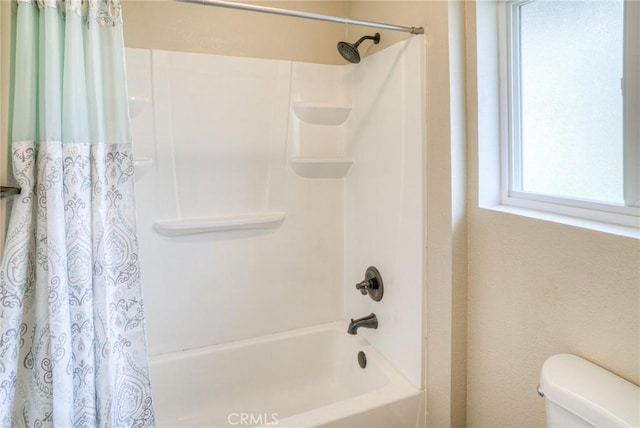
x,y
571,108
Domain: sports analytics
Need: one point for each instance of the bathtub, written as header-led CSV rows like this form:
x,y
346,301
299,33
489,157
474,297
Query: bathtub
x,y
302,378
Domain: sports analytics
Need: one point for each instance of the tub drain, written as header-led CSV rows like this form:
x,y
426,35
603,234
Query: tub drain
x,y
362,359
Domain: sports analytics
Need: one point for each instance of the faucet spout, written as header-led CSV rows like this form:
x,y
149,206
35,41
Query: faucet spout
x,y
370,321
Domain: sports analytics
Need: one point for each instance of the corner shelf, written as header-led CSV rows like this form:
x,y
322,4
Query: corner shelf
x,y
321,167
322,114
191,226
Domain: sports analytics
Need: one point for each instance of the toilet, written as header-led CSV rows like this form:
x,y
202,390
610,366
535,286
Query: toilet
x,y
579,393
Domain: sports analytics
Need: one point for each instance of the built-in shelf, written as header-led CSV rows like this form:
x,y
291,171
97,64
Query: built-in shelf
x,y
321,167
321,114
191,226
139,162
136,105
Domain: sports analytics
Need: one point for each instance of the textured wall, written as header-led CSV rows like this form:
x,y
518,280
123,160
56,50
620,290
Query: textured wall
x,y
538,288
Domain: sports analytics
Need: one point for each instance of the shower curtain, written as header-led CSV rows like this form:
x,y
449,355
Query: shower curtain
x,y
72,335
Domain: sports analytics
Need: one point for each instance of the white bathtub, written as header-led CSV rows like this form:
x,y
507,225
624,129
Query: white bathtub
x,y
303,378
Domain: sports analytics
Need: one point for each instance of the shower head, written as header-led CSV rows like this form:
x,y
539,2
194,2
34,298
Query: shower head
x,y
349,51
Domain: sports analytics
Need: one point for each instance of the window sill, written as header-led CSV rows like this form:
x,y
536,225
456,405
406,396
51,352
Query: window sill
x,y
613,229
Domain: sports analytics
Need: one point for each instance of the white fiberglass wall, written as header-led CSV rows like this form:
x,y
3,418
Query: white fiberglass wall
x,y
211,143
384,202
223,141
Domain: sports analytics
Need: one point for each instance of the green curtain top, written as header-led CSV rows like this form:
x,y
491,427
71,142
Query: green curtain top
x,y
105,12
70,79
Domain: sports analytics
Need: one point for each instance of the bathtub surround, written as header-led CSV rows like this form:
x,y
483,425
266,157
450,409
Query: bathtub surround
x,y
384,200
213,31
445,189
72,325
199,162
248,282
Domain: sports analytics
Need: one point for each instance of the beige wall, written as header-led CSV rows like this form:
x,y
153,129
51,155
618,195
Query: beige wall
x,y
536,289
168,25
405,13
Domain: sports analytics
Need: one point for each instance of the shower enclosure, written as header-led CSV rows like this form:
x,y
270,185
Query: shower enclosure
x,y
265,190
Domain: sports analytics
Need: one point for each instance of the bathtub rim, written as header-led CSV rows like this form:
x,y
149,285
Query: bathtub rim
x,y
270,337
385,365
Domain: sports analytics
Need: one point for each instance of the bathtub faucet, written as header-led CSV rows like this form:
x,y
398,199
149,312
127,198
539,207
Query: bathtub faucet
x,y
370,321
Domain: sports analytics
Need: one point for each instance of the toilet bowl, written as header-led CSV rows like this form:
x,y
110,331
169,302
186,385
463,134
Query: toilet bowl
x,y
579,393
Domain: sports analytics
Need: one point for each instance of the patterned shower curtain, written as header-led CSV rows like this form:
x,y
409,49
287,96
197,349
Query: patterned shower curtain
x,y
72,334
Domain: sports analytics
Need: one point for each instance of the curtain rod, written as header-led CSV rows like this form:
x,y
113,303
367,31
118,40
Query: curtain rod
x,y
307,15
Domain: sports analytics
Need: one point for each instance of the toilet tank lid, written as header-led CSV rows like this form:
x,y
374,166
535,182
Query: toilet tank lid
x,y
590,392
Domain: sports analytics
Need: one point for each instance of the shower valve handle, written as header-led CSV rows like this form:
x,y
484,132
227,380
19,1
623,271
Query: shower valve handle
x,y
366,285
372,284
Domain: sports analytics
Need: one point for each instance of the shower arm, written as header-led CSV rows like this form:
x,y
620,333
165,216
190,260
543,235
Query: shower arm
x,y
306,15
363,38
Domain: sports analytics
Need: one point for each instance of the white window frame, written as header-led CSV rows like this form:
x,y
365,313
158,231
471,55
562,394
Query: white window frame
x,y
625,215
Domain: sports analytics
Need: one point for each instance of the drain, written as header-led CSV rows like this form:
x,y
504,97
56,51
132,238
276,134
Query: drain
x,y
362,359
